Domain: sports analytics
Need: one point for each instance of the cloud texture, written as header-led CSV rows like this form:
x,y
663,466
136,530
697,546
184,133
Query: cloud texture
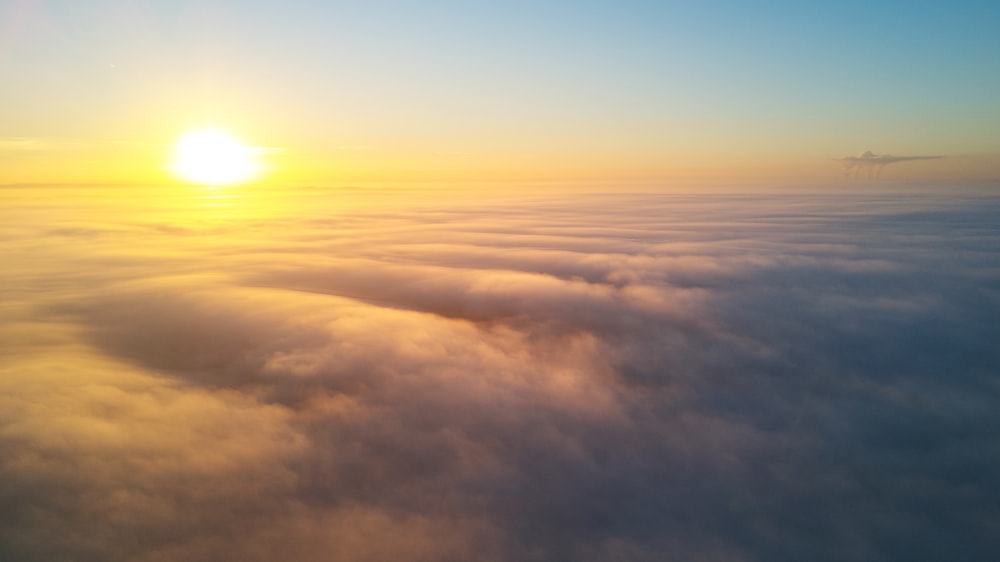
x,y
340,375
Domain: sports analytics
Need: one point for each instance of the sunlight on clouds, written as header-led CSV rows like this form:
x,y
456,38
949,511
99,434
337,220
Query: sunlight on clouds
x,y
375,374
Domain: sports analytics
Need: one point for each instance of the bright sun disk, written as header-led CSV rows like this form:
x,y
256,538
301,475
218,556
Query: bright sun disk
x,y
212,157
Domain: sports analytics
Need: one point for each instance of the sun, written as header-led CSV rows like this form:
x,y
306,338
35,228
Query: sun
x,y
209,156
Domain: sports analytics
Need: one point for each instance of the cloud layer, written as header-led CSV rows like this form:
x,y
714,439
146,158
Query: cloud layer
x,y
324,375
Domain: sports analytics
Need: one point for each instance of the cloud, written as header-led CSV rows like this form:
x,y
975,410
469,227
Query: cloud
x,y
874,163
32,145
582,377
23,144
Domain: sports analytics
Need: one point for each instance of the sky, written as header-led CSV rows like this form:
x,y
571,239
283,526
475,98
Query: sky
x,y
400,92
520,282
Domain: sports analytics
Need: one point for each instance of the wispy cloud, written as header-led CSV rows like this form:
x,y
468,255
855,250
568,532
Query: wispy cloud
x,y
26,144
41,144
874,163
267,150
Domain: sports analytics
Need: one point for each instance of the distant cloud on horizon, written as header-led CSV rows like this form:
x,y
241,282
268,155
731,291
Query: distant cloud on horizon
x,y
874,163
24,144
31,144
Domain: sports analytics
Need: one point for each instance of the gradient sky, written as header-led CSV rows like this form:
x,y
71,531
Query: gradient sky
x,y
445,90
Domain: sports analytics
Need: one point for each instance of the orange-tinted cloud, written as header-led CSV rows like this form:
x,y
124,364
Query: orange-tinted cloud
x,y
430,376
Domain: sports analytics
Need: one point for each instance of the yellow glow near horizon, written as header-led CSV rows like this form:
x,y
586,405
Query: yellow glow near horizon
x,y
212,157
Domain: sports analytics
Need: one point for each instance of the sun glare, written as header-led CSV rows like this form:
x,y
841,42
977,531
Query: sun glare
x,y
213,157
